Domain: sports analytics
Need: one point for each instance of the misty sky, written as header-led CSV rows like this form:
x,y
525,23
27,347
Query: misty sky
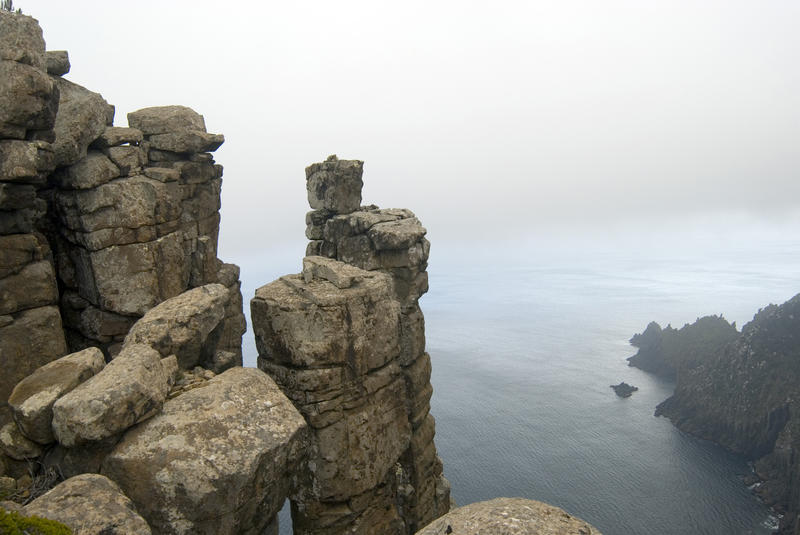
x,y
487,119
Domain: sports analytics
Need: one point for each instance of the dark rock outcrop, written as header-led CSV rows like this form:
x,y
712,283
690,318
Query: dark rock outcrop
x,y
745,398
624,390
667,352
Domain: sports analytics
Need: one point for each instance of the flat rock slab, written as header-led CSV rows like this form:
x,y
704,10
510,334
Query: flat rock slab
x,y
216,460
90,504
165,119
508,516
181,325
32,399
130,389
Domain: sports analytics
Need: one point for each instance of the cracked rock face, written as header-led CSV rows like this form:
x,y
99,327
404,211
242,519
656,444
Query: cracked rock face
x,y
90,504
509,516
218,459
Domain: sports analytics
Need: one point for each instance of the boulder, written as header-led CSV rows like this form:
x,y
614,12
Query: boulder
x,y
57,62
16,445
28,99
32,399
25,161
509,516
187,141
21,40
130,389
335,185
34,285
129,158
165,119
92,171
82,118
90,504
114,136
181,325
400,234
217,459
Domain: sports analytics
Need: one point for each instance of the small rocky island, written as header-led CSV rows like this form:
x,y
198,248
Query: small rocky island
x,y
624,390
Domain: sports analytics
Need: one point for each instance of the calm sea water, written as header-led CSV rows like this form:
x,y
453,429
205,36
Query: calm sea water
x,y
525,343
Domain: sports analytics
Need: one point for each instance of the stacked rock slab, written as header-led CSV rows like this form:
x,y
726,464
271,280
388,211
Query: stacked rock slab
x,y
346,342
30,324
138,223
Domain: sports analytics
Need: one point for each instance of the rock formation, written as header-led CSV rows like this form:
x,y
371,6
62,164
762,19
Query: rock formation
x,y
669,352
624,390
345,340
508,516
744,397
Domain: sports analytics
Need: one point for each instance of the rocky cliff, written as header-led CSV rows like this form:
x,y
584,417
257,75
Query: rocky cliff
x,y
744,396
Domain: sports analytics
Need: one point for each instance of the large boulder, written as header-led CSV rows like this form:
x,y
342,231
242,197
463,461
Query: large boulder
x,y
166,119
508,516
335,185
90,504
28,99
14,444
32,399
216,460
130,389
181,325
82,117
21,40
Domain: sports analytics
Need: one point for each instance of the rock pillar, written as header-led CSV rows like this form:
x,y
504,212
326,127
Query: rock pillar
x,y
346,342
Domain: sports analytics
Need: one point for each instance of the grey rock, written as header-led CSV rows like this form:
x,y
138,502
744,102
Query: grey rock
x,y
341,275
28,99
16,196
129,158
82,118
186,141
91,171
25,161
181,325
165,119
335,185
393,235
217,459
16,445
57,62
33,286
32,399
509,516
114,136
162,174
19,250
130,389
21,40
90,504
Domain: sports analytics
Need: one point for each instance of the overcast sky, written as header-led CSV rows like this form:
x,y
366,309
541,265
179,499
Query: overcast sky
x,y
491,118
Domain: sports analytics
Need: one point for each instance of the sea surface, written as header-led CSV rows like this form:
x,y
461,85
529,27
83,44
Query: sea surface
x,y
525,342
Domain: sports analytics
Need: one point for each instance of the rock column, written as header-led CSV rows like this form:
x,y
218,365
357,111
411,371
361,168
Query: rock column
x,y
31,333
345,340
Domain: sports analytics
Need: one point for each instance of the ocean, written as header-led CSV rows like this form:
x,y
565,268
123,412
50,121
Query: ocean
x,y
525,342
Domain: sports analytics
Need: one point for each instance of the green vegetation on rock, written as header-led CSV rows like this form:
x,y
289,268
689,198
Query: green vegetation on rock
x,y
12,523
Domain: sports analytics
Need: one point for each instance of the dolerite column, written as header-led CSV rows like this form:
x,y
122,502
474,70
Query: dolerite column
x,y
330,364
31,332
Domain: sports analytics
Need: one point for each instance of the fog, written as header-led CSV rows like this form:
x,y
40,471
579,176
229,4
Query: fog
x,y
516,120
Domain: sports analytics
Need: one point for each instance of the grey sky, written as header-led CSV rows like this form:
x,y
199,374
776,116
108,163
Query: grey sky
x,y
491,117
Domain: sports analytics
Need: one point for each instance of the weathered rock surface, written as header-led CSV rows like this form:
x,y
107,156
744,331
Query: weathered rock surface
x,y
16,445
82,117
21,40
28,99
181,325
335,185
166,119
57,62
32,399
508,516
217,460
130,389
744,397
90,504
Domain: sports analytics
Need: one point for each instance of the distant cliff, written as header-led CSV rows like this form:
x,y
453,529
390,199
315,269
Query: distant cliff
x,y
666,351
745,396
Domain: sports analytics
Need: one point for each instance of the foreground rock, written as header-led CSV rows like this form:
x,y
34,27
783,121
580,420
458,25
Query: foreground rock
x,y
127,391
217,460
745,398
624,390
508,516
90,504
33,398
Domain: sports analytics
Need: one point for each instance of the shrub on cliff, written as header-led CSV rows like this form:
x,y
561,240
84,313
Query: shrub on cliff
x,y
12,523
